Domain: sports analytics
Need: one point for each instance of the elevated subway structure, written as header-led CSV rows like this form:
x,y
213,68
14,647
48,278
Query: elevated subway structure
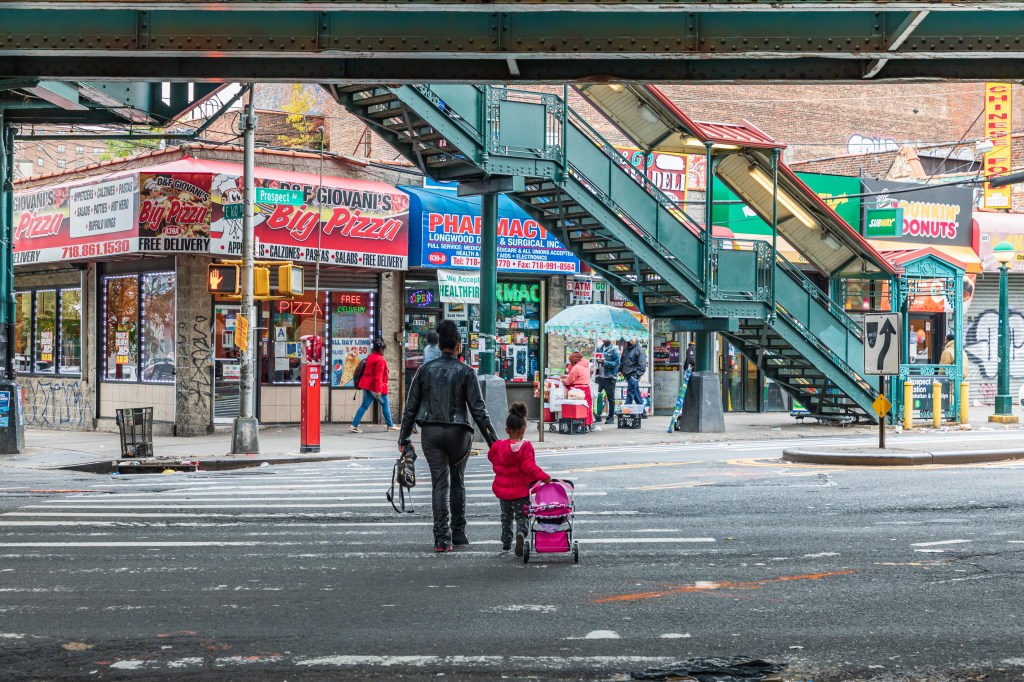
x,y
585,192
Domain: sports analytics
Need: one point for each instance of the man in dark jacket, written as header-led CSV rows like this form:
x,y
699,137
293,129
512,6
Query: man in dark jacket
x,y
439,395
634,364
608,375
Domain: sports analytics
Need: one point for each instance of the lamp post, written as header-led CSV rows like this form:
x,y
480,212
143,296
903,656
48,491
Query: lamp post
x,y
1004,253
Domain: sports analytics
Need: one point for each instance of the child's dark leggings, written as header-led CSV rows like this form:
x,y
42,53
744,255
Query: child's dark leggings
x,y
510,509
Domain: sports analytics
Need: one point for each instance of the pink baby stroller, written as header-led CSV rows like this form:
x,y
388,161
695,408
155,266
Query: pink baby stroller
x,y
550,513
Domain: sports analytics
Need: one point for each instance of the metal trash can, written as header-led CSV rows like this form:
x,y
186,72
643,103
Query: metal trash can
x,y
136,426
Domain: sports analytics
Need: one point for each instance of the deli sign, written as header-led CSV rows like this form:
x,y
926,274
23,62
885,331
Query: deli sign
x,y
931,215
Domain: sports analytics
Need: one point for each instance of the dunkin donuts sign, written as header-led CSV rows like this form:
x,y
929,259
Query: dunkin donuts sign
x,y
931,215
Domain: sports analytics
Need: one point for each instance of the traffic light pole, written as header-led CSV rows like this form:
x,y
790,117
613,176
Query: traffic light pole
x,y
245,437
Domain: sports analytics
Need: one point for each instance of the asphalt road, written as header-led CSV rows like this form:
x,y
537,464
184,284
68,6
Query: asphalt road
x,y
303,572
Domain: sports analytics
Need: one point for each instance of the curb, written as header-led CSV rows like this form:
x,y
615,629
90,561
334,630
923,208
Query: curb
x,y
800,456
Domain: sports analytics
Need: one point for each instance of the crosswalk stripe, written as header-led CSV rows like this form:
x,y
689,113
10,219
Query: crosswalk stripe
x,y
269,498
292,543
231,506
248,515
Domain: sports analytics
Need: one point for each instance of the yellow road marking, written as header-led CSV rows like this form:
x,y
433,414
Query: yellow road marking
x,y
640,465
824,468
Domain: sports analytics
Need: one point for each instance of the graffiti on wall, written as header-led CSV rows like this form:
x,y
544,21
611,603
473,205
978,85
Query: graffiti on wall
x,y
55,404
859,144
195,385
981,341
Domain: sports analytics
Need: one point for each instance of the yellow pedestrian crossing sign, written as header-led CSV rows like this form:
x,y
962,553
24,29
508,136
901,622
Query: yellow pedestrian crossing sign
x,y
881,405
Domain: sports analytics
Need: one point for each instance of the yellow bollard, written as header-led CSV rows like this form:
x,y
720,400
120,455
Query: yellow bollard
x,y
936,404
965,403
908,405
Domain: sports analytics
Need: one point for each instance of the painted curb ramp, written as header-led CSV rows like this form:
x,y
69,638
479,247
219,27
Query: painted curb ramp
x,y
908,458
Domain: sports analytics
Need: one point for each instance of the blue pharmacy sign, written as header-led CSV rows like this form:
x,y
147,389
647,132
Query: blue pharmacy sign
x,y
444,232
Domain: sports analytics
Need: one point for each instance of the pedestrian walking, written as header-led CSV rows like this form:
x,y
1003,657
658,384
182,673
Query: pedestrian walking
x,y
608,376
515,468
578,376
634,364
690,362
431,351
374,383
440,393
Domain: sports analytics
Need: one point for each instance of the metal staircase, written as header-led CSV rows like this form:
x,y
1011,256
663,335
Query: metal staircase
x,y
586,193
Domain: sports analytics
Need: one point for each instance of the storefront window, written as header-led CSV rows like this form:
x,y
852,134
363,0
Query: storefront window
x,y
23,331
46,331
518,330
290,320
121,327
158,327
352,332
71,331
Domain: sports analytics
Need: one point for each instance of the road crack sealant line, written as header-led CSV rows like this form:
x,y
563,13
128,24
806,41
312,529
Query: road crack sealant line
x,y
707,586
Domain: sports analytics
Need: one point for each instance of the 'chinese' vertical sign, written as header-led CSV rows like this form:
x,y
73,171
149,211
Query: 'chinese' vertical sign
x,y
998,124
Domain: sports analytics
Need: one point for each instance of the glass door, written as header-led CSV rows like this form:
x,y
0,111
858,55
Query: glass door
x,y
227,367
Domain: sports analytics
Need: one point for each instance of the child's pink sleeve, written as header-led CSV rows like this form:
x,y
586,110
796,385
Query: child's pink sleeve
x,y
528,463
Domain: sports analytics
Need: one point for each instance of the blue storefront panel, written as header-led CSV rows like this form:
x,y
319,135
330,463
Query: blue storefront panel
x,y
444,232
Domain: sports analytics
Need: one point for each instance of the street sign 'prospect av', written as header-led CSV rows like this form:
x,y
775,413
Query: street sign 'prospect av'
x,y
882,344
271,195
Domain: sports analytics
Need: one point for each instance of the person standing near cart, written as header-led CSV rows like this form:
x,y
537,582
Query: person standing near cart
x,y
634,364
608,376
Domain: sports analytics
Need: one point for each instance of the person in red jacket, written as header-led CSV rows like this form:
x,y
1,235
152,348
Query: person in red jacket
x,y
374,383
515,468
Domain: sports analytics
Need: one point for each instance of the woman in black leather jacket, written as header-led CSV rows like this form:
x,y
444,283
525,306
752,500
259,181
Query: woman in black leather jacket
x,y
439,396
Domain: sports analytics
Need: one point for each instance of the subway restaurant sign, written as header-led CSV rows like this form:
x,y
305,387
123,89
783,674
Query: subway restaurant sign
x,y
455,286
883,222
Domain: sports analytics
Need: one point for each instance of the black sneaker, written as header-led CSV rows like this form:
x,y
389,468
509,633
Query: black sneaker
x,y
520,541
442,548
460,539
506,547
609,421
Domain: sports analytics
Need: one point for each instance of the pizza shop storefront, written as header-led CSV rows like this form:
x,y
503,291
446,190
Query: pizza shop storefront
x,y
112,302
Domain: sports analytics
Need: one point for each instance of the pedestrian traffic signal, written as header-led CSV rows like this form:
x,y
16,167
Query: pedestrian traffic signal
x,y
223,279
290,280
260,282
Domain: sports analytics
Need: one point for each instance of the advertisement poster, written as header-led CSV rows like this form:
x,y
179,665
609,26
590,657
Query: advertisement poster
x,y
345,356
75,222
343,222
174,212
667,171
458,287
839,192
580,291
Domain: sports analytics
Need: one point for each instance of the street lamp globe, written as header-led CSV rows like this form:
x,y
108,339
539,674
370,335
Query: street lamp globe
x,y
1003,252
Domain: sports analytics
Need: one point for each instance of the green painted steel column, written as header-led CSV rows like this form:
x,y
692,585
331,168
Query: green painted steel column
x,y
7,246
775,229
488,279
1004,402
706,340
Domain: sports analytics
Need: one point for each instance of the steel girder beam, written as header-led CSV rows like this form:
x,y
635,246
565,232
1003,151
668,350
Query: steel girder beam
x,y
415,41
534,6
384,71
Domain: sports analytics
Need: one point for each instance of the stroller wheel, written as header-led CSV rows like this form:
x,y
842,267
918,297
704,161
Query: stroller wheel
x,y
526,552
575,552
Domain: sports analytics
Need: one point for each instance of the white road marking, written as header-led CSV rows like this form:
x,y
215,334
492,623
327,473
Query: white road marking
x,y
599,634
74,502
820,555
940,542
342,505
276,543
675,635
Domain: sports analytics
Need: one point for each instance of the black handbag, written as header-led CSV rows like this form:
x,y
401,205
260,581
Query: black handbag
x,y
403,476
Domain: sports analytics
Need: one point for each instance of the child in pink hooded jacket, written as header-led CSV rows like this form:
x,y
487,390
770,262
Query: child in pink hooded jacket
x,y
515,468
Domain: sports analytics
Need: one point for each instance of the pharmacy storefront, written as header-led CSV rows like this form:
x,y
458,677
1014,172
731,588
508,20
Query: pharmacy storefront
x,y
112,302
443,282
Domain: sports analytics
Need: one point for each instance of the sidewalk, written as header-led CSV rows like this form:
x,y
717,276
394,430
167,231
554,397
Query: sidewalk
x,y
55,449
